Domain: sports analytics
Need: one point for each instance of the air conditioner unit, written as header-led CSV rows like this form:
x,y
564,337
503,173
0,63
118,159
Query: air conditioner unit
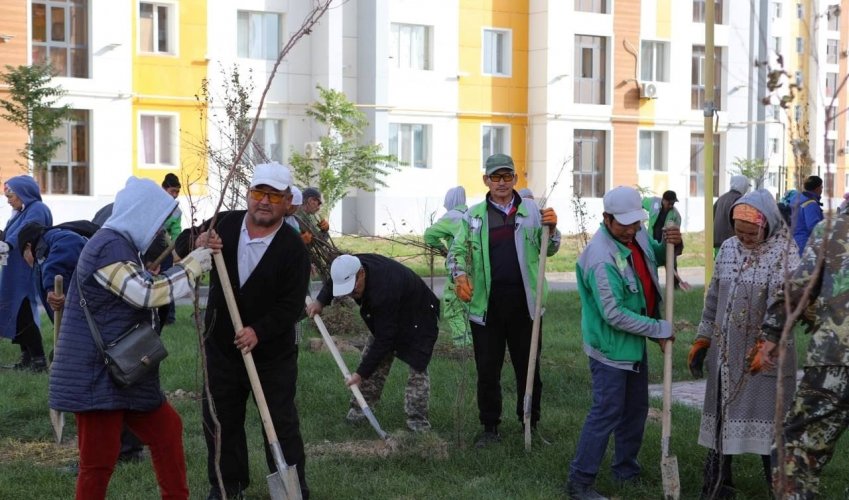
x,y
648,90
312,150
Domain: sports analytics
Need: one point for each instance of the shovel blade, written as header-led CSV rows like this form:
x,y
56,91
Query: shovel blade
x,y
373,421
671,482
284,485
57,420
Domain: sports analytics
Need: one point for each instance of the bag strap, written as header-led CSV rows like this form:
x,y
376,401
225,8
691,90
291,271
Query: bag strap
x,y
92,327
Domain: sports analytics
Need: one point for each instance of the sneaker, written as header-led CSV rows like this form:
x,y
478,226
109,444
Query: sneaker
x,y
355,416
583,492
418,425
131,457
38,364
24,362
487,438
215,494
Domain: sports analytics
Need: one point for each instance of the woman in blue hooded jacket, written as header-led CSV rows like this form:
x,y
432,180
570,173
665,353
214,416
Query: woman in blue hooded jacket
x,y
18,297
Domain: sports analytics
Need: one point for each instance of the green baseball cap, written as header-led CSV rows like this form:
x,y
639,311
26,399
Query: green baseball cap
x,y
498,162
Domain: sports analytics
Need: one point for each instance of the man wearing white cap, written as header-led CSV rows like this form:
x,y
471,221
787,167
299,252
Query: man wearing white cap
x,y
269,271
401,312
620,308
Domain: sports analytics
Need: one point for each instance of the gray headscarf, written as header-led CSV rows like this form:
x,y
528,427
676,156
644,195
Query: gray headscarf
x,y
454,197
740,183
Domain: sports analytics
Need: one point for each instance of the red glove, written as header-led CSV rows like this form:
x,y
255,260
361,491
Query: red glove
x,y
754,358
696,357
324,225
549,218
307,237
463,288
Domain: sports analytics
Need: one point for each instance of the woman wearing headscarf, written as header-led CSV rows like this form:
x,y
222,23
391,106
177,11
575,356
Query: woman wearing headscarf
x,y
18,296
439,236
739,407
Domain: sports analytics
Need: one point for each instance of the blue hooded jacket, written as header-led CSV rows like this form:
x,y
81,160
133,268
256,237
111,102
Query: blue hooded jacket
x,y
16,278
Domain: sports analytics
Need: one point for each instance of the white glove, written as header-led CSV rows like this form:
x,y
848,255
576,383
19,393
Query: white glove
x,y
4,247
203,256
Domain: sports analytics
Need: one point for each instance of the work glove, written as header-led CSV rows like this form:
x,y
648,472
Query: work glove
x,y
463,288
203,256
809,318
549,217
754,358
324,225
696,357
307,237
4,247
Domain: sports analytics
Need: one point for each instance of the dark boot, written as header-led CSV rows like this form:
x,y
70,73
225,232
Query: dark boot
x,y
577,491
490,436
38,365
24,362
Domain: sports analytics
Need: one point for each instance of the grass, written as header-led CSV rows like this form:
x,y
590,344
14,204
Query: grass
x,y
564,260
441,464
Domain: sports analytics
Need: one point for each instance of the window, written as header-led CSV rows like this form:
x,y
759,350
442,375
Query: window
x,y
800,45
776,44
831,51
697,165
798,78
589,163
597,6
68,170
652,150
157,24
494,139
699,11
828,154
830,84
267,142
773,146
158,140
497,52
258,35
60,36
409,46
799,10
590,69
797,113
409,142
833,16
830,117
654,61
776,10
698,76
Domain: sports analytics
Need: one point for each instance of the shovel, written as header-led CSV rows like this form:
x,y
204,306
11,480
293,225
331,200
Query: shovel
x,y
328,341
283,484
532,358
668,463
57,418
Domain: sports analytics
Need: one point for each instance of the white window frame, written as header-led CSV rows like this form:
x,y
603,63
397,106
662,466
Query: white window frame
x,y
67,162
506,48
657,152
410,160
67,46
649,55
172,30
256,143
397,51
175,144
598,170
281,36
505,149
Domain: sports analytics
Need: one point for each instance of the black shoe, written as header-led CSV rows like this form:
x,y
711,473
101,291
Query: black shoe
x,y
583,492
131,457
487,438
24,362
38,364
215,494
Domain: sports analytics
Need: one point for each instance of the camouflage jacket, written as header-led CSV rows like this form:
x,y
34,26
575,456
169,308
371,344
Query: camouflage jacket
x,y
829,344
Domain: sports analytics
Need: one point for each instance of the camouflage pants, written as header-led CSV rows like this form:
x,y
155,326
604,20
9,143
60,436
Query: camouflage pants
x,y
454,317
415,398
819,415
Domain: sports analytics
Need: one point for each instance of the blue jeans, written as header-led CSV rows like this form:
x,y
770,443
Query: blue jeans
x,y
620,406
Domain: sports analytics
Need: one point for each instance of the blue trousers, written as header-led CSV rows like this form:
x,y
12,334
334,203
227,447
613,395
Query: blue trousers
x,y
620,406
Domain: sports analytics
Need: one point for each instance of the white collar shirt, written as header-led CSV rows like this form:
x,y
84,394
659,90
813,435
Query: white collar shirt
x,y
250,251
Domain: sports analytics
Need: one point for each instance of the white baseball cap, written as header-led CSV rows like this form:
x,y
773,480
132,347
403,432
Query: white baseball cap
x,y
272,174
625,205
343,271
297,197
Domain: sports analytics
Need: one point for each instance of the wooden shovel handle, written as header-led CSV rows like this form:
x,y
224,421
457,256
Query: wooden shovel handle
x,y
532,357
666,419
58,291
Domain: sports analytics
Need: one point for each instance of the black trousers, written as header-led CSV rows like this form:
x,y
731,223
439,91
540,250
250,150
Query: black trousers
x,y
28,334
230,388
507,324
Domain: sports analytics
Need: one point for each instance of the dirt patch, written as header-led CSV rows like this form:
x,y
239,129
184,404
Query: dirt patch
x,y
181,395
343,344
45,453
427,445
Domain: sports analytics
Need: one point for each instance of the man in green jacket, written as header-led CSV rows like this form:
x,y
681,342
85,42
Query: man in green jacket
x,y
439,236
495,271
620,308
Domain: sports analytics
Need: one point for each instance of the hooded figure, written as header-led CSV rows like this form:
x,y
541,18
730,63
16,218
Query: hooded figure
x,y
722,230
739,408
18,297
440,236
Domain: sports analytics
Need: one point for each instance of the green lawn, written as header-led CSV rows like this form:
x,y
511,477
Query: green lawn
x,y
418,259
441,464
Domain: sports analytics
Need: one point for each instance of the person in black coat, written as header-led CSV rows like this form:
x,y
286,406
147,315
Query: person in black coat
x,y
401,313
269,271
